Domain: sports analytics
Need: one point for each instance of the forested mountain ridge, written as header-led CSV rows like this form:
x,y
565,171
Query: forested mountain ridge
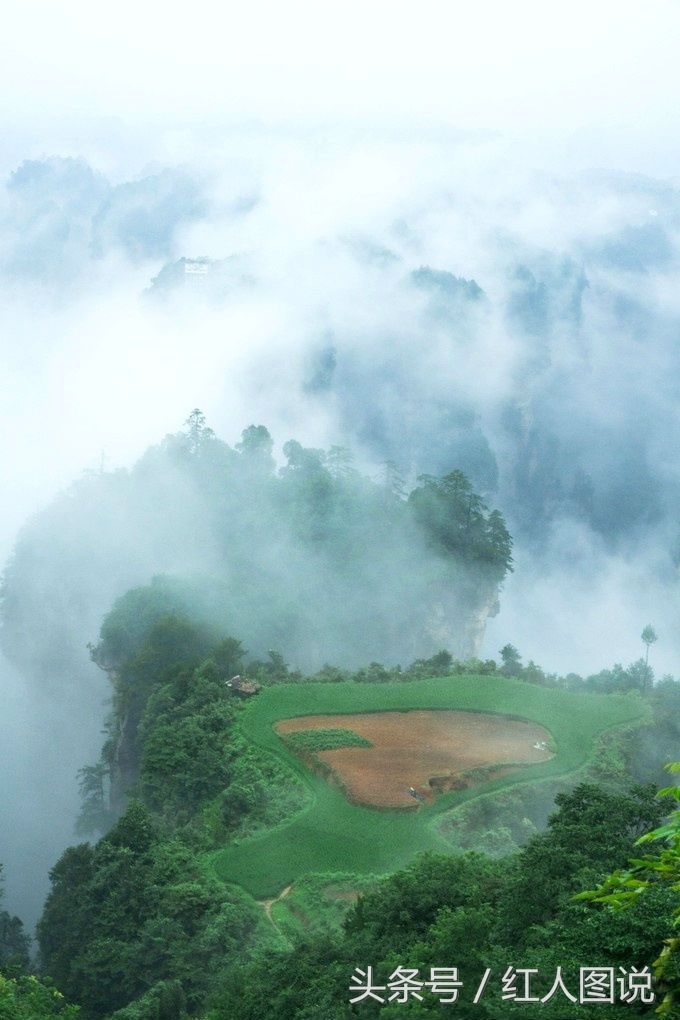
x,y
284,555
301,553
139,926
308,558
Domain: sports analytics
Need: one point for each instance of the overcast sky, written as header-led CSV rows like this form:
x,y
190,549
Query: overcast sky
x,y
583,82
340,117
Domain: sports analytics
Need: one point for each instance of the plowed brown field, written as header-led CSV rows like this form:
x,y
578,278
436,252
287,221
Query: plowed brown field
x,y
428,750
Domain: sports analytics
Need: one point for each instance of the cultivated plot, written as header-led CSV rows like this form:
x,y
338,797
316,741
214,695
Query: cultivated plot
x,y
406,758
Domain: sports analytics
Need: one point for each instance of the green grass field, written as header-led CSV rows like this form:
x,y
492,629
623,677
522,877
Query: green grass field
x,y
332,835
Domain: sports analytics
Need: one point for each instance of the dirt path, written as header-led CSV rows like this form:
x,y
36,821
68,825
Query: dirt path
x,y
268,904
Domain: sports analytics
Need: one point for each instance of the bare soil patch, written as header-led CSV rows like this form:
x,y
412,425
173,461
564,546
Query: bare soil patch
x,y
429,751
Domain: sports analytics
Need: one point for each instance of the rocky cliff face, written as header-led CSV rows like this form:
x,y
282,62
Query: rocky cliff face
x,y
458,624
473,633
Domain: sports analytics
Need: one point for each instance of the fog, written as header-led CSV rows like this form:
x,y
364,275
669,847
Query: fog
x,y
331,174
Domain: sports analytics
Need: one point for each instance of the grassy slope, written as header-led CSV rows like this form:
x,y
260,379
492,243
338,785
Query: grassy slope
x,y
330,834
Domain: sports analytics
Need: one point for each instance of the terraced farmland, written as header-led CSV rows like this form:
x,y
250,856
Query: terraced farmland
x,y
332,834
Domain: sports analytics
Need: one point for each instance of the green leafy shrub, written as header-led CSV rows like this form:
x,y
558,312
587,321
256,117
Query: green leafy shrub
x,y
27,998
